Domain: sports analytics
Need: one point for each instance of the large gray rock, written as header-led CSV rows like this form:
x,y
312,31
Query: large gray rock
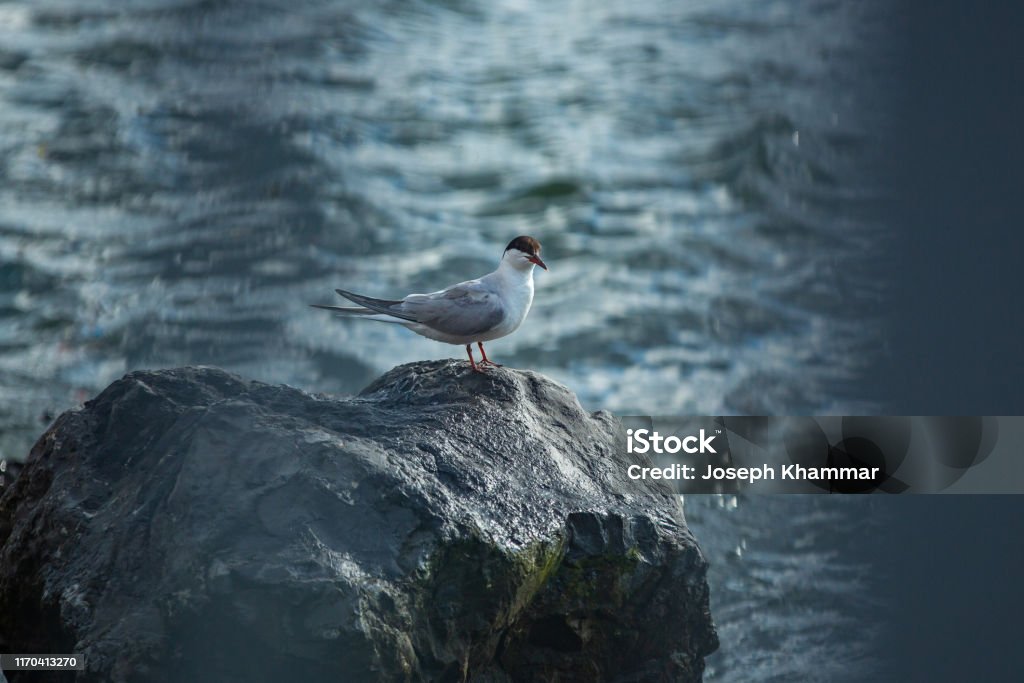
x,y
188,525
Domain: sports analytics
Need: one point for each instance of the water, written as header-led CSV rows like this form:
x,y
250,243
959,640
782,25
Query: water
x,y
794,596
179,179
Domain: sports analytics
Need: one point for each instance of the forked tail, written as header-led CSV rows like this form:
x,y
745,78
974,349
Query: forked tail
x,y
382,310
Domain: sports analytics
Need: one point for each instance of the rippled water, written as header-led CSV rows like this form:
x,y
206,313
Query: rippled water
x,y
179,179
792,596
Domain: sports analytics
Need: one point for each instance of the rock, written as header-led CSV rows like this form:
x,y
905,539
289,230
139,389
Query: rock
x,y
8,473
189,525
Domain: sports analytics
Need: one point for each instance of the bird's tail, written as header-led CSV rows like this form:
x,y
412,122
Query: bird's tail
x,y
381,310
346,310
385,306
361,313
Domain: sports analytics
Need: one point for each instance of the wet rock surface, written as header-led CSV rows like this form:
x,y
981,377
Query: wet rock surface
x,y
189,525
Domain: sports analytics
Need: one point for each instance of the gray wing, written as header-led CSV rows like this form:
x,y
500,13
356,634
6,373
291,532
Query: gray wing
x,y
465,309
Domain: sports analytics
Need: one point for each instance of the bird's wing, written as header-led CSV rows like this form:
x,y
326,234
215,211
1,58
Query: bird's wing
x,y
464,309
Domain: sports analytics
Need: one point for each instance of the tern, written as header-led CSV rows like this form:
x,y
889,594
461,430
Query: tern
x,y
475,311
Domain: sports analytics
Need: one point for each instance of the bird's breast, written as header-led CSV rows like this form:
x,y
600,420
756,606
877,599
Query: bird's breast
x,y
517,304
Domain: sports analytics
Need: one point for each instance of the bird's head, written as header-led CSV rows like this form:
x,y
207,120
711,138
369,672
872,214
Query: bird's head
x,y
523,253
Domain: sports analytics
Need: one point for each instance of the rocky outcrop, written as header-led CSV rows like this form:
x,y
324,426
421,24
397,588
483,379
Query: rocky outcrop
x,y
188,525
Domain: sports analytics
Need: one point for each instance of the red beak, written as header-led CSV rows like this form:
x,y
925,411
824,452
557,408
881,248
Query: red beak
x,y
536,259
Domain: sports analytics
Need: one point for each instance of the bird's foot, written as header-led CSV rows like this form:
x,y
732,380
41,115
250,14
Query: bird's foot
x,y
490,363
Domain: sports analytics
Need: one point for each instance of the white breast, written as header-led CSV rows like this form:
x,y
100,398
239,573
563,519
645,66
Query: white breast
x,y
516,292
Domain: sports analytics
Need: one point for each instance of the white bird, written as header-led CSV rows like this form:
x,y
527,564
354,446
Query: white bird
x,y
470,312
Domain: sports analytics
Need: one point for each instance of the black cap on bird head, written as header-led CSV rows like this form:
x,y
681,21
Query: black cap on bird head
x,y
528,246
525,244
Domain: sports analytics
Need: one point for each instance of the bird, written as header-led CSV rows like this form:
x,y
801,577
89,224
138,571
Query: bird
x,y
474,311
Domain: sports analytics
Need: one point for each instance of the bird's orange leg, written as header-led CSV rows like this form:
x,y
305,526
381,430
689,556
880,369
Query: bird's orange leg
x,y
472,363
486,360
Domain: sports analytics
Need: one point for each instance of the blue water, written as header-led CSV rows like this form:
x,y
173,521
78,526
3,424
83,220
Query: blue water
x,y
179,179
